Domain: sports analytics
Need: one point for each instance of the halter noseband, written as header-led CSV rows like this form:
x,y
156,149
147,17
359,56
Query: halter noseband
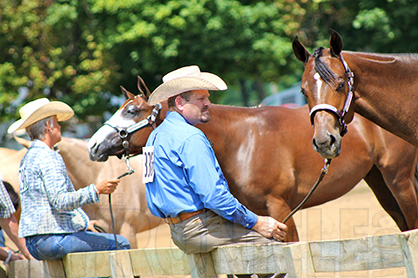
x,y
126,131
339,113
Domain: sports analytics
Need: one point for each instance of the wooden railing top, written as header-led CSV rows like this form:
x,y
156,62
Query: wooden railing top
x,y
301,259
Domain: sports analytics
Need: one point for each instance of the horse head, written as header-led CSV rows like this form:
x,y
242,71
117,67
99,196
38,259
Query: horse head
x,y
327,84
127,131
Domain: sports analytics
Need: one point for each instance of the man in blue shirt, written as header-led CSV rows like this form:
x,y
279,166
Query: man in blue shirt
x,y
187,187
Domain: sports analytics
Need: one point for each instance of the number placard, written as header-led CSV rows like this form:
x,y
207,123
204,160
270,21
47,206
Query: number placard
x,y
148,169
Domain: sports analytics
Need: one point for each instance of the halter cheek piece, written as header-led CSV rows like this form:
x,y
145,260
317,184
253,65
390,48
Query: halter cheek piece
x,y
339,113
126,131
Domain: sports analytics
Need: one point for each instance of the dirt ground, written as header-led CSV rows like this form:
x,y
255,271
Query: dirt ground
x,y
356,214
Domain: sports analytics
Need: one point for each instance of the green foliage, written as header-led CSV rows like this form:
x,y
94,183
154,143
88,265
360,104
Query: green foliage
x,y
81,51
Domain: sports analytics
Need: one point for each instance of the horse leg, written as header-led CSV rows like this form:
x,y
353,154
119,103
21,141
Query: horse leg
x,y
292,232
278,209
375,181
402,184
129,232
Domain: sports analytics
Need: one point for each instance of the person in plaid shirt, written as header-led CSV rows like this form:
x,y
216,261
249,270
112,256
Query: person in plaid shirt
x,y
52,221
9,224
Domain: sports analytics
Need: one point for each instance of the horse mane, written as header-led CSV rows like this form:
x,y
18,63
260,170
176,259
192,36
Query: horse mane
x,y
324,72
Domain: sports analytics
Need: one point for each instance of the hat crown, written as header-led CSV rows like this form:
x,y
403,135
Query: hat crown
x,y
182,72
31,107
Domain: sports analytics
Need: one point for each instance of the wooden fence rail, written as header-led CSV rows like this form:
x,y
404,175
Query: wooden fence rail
x,y
302,259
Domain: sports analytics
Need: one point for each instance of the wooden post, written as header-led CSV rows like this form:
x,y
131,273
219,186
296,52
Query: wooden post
x,y
120,265
300,257
201,265
409,243
54,269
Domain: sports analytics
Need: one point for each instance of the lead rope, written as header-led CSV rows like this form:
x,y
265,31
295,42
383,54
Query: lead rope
x,y
324,170
130,172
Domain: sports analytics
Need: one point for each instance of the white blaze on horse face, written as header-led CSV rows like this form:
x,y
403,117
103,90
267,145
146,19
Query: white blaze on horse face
x,y
319,83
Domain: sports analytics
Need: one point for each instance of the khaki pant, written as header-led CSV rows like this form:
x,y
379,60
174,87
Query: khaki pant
x,y
206,231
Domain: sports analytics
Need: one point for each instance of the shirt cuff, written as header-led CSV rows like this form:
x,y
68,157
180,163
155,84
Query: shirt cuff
x,y
252,218
95,193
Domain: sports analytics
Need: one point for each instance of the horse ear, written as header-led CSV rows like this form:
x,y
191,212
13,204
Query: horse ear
x,y
335,43
300,51
142,88
126,93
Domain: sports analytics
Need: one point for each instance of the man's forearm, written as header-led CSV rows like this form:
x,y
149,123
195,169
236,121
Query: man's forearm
x,y
11,228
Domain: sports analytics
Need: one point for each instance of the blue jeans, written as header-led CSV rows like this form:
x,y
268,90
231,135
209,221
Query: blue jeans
x,y
56,246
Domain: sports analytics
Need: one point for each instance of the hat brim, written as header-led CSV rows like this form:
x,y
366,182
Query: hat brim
x,y
204,81
53,108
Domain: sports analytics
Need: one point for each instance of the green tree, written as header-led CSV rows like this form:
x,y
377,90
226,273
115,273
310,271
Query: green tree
x,y
81,51
237,40
372,25
50,48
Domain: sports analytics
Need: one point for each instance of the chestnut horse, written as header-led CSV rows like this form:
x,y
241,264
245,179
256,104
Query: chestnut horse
x,y
129,204
381,87
265,157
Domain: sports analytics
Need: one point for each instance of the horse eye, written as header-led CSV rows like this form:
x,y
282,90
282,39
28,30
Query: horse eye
x,y
341,85
131,111
302,91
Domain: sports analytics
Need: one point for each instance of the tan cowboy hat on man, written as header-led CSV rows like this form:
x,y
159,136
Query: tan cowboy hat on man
x,y
40,109
186,79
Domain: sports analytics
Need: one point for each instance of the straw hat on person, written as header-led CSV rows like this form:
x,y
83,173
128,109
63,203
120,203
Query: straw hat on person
x,y
183,80
40,109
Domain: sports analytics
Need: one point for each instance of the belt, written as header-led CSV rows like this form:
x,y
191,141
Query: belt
x,y
182,217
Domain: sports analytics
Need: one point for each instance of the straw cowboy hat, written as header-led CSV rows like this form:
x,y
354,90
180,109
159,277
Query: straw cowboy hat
x,y
40,109
185,79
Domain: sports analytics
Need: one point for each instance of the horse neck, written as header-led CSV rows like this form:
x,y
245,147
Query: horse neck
x,y
384,86
228,127
80,168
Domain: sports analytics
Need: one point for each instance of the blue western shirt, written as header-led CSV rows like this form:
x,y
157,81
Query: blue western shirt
x,y
188,176
50,204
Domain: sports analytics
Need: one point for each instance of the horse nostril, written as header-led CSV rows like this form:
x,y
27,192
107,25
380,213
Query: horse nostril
x,y
332,140
314,143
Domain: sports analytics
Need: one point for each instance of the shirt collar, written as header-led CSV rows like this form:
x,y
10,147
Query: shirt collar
x,y
177,116
39,144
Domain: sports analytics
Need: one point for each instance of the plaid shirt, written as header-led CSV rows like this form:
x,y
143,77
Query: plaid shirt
x,y
50,204
6,205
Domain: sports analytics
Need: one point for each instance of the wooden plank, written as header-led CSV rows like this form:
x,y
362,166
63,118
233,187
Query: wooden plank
x,y
26,269
120,265
368,253
409,242
159,261
252,259
87,264
297,259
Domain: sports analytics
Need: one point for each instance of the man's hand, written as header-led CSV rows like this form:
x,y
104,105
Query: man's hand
x,y
107,186
270,228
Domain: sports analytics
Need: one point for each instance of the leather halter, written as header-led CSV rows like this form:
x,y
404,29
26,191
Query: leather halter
x,y
339,113
126,131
